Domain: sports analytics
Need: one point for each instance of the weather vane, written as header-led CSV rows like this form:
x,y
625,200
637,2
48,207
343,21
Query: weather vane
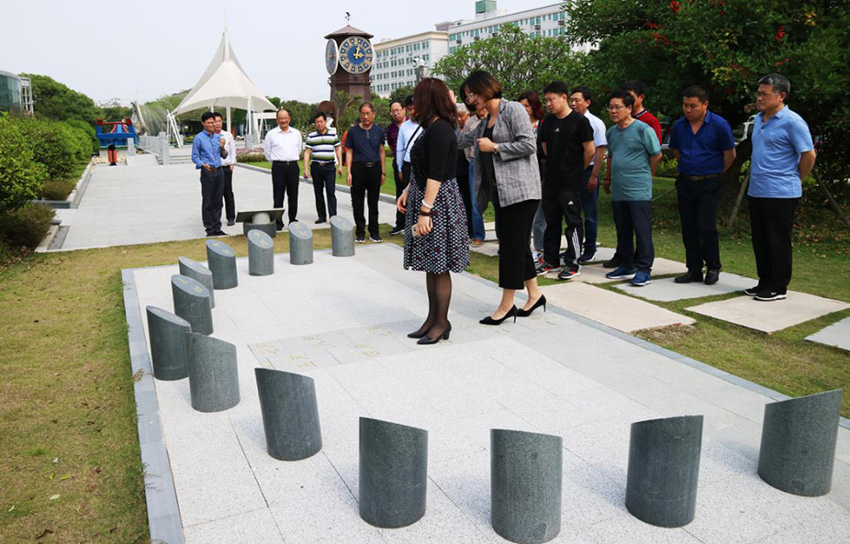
x,y
347,17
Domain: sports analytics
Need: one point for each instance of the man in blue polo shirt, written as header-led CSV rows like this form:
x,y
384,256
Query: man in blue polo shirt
x,y
783,154
365,156
703,144
207,152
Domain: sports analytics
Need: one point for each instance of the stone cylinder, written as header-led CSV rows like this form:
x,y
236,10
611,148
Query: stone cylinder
x,y
260,221
525,485
192,303
342,237
798,441
199,273
664,455
300,243
393,473
260,254
290,414
213,374
169,358
222,263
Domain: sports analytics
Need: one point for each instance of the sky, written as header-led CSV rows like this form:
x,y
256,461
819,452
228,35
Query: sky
x,y
148,49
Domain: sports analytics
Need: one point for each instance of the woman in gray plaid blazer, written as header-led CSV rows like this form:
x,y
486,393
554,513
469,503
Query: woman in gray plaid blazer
x,y
506,172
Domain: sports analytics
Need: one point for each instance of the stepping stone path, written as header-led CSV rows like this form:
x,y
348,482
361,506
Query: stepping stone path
x,y
666,290
837,335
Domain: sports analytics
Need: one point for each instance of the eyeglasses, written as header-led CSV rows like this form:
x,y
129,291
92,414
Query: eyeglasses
x,y
615,108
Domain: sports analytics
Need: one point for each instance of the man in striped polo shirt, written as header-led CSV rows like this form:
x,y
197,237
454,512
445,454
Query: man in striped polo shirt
x,y
322,147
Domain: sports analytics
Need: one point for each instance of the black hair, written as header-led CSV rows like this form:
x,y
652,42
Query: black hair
x,y
366,105
557,87
217,115
399,102
779,83
585,92
408,101
320,114
625,96
695,91
634,85
207,115
483,84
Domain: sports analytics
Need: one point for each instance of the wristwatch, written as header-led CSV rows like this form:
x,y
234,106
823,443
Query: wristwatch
x,y
496,148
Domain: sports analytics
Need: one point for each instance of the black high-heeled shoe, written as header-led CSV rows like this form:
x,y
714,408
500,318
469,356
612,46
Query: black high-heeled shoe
x,y
418,333
490,321
540,302
445,336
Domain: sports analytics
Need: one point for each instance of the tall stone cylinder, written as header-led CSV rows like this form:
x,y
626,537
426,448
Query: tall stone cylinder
x,y
169,358
290,414
798,443
393,473
213,373
664,456
300,243
192,303
526,470
342,237
222,263
199,273
260,253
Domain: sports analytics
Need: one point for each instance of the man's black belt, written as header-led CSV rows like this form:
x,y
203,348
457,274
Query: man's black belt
x,y
323,163
701,178
366,164
285,162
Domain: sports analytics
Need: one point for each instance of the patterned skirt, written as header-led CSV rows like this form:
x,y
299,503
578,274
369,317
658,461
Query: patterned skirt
x,y
446,247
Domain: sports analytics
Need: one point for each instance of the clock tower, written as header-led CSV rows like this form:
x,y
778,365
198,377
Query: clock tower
x,y
348,59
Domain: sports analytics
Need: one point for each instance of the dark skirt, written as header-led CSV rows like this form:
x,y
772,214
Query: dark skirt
x,y
446,247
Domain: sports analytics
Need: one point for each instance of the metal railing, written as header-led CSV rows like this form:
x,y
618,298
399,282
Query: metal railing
x,y
156,145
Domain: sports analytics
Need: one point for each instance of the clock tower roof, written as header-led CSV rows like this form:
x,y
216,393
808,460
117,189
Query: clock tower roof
x,y
346,31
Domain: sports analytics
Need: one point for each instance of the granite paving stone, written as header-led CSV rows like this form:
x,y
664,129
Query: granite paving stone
x,y
666,290
837,334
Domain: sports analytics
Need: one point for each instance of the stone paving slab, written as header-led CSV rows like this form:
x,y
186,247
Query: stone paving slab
x,y
617,311
770,316
546,373
837,335
666,290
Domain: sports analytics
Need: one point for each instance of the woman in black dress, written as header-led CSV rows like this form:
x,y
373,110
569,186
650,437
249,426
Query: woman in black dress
x,y
435,239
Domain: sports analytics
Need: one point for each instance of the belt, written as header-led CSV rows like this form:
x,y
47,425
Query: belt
x,y
367,164
701,178
285,162
323,163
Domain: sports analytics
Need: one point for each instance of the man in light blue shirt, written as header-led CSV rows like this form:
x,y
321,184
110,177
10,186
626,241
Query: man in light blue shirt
x,y
408,133
783,154
207,152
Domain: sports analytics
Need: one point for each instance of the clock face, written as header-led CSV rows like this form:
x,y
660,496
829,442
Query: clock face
x,y
331,57
355,55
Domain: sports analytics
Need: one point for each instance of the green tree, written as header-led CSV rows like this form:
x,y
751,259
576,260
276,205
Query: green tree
x,y
22,177
55,101
401,93
520,62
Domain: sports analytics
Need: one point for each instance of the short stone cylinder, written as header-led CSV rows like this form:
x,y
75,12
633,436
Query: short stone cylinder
x,y
664,456
290,414
199,273
525,485
260,221
192,303
300,243
260,254
169,358
213,374
342,237
798,441
393,473
222,263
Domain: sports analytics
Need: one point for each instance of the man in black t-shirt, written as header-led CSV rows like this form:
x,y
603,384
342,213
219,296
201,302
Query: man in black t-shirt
x,y
567,140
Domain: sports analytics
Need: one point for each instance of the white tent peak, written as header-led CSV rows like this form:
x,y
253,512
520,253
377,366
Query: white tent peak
x,y
224,84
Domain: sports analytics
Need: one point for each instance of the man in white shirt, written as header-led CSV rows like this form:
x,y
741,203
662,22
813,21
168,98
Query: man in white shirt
x,y
228,164
282,147
580,102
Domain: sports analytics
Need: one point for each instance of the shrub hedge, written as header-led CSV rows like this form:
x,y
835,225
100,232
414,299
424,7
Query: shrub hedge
x,y
21,177
25,226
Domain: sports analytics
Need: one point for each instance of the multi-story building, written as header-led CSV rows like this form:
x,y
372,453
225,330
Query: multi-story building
x,y
397,60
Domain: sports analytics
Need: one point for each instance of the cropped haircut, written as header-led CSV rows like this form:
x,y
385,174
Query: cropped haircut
x,y
779,83
483,84
320,114
399,102
695,91
634,85
431,99
534,102
557,87
585,92
625,96
366,105
280,110
207,115
217,115
408,101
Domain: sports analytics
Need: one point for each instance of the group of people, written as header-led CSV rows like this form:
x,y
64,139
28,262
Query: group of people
x,y
540,171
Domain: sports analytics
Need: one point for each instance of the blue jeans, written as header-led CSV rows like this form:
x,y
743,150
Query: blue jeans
x,y
588,206
477,219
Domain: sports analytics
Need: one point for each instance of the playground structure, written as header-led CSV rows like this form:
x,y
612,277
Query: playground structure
x,y
117,135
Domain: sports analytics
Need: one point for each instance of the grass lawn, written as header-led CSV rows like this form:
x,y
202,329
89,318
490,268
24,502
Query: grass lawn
x,y
70,466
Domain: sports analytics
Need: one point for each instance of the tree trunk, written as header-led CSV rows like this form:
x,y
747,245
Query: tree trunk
x,y
832,202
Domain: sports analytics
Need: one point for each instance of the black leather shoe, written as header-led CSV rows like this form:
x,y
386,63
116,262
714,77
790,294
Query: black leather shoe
x,y
540,302
689,277
231,222
425,341
712,276
320,220
490,321
419,333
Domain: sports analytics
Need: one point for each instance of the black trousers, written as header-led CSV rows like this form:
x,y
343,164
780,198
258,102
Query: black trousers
x,y
698,213
463,185
561,202
402,179
285,182
634,224
772,220
229,201
516,265
365,182
324,180
212,187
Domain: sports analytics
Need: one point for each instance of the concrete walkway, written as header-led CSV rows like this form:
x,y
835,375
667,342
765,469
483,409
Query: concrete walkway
x,y
343,321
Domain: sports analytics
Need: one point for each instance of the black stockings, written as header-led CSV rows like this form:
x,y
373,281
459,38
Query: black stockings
x,y
439,297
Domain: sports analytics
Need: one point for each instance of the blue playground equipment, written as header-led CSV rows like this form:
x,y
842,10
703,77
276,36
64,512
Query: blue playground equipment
x,y
118,134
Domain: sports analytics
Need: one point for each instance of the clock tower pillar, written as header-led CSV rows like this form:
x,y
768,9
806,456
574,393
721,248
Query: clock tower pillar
x,y
348,59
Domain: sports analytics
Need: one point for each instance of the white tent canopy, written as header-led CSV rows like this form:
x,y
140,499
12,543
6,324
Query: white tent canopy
x,y
225,84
